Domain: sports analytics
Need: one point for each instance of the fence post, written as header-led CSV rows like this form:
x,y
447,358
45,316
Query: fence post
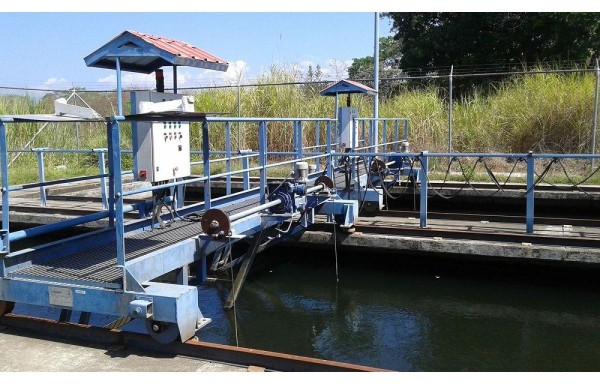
x,y
595,113
423,186
42,174
530,192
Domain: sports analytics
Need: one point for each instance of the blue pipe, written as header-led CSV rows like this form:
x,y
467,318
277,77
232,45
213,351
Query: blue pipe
x,y
44,229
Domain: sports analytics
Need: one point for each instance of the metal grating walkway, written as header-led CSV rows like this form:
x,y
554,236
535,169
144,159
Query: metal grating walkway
x,y
99,265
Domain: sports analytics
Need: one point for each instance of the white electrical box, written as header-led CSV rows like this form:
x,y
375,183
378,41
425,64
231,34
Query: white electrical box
x,y
163,148
346,116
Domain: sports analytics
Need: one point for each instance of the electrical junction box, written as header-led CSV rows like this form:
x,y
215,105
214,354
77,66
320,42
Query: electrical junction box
x,y
161,149
346,116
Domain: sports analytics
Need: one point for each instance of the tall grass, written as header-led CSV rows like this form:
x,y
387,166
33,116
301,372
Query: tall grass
x,y
543,113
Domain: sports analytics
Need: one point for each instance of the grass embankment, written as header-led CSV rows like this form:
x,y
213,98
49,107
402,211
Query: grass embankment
x,y
542,113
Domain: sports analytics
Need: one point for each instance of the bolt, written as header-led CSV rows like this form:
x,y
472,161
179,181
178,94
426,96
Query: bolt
x,y
137,311
155,327
214,224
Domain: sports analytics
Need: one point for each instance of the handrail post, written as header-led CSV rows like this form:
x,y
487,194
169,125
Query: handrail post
x,y
115,146
423,186
228,154
299,141
317,145
246,175
5,200
330,158
41,174
384,138
206,164
102,169
396,136
262,159
530,192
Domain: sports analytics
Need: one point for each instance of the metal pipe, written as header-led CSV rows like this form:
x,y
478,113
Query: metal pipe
x,y
44,229
250,211
595,112
314,189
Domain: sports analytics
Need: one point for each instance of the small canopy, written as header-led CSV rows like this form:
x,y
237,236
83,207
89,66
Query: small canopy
x,y
347,86
141,52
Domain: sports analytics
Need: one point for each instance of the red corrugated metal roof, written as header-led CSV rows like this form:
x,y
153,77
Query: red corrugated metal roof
x,y
177,47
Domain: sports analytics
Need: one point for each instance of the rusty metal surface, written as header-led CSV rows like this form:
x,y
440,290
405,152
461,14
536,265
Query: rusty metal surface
x,y
177,47
85,334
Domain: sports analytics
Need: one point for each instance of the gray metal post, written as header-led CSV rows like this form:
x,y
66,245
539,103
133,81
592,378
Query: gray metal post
x,y
42,175
330,158
376,87
119,87
5,203
206,165
318,145
595,113
450,106
262,159
246,175
102,168
239,115
228,155
423,186
530,192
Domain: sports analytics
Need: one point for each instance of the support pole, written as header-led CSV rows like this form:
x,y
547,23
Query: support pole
x,y
243,272
376,87
174,79
595,113
119,87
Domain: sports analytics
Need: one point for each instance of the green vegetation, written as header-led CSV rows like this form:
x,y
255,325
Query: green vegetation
x,y
542,113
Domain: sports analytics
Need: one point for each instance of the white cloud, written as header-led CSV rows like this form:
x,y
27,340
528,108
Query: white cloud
x,y
56,82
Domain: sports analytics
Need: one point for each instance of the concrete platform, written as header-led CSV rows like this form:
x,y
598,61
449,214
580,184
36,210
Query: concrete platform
x,y
21,353
400,244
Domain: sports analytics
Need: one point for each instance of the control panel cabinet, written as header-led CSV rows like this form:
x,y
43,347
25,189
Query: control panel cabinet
x,y
346,117
163,148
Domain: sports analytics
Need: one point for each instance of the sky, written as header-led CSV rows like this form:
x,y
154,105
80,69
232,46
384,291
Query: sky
x,y
49,52
44,42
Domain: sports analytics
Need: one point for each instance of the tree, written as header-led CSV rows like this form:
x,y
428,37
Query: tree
x,y
429,43
389,64
476,39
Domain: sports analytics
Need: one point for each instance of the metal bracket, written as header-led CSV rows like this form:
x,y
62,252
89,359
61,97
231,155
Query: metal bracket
x,y
141,308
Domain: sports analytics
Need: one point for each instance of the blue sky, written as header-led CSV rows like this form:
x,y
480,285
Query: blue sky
x,y
47,49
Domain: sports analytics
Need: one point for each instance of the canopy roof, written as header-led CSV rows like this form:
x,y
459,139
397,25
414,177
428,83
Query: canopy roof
x,y
347,86
141,52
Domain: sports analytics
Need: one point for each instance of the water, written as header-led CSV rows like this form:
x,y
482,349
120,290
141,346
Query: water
x,y
417,316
